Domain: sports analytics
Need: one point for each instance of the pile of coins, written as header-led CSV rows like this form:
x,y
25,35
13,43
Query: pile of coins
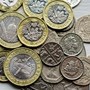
x,y
42,48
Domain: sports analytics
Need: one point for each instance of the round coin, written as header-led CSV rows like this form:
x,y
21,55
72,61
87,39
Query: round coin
x,y
32,32
23,66
34,7
9,23
51,54
51,74
85,78
72,68
72,44
10,5
58,14
83,28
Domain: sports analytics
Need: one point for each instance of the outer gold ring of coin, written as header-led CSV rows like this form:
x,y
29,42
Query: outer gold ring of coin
x,y
58,26
4,43
11,8
32,43
15,80
29,12
3,78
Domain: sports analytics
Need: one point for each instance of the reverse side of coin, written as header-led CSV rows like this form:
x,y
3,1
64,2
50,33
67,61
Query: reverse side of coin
x,y
10,5
23,66
72,68
9,23
58,14
51,74
51,54
72,44
85,78
32,32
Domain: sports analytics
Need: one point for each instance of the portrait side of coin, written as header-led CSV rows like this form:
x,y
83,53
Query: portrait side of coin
x,y
85,78
72,44
34,8
82,28
23,66
53,17
10,5
51,74
32,32
9,23
72,68
51,54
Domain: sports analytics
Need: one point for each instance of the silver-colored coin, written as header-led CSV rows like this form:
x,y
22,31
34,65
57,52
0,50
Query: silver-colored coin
x,y
83,28
85,78
51,74
72,44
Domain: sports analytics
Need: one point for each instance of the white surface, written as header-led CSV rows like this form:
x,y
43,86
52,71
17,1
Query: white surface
x,y
82,9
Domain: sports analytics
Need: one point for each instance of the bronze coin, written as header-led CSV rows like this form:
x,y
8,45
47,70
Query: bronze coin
x,y
72,68
51,54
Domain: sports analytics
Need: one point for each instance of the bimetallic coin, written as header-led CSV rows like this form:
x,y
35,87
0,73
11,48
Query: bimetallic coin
x,y
23,66
51,74
34,7
72,44
72,68
9,23
58,14
51,54
10,5
85,78
3,56
32,32
73,3
83,28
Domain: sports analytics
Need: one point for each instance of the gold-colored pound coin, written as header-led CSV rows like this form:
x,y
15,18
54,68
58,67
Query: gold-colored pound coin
x,y
58,14
32,32
9,23
23,66
10,5
34,7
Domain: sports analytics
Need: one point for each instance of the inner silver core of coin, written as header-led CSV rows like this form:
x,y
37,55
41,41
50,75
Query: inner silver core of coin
x,y
22,66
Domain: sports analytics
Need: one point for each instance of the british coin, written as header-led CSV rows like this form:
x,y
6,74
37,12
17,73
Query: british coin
x,y
82,28
58,14
72,44
85,78
51,54
40,84
34,7
32,32
51,74
72,68
73,3
10,5
3,56
9,23
23,66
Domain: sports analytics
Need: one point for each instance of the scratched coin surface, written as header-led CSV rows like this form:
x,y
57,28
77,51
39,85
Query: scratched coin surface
x,y
85,78
72,68
10,5
34,7
72,44
51,74
32,32
82,28
58,14
51,54
9,23
23,66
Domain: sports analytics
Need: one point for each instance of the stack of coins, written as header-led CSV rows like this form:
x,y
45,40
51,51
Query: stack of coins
x,y
41,45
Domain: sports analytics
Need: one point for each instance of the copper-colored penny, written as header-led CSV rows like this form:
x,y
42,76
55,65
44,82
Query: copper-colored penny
x,y
72,68
51,54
